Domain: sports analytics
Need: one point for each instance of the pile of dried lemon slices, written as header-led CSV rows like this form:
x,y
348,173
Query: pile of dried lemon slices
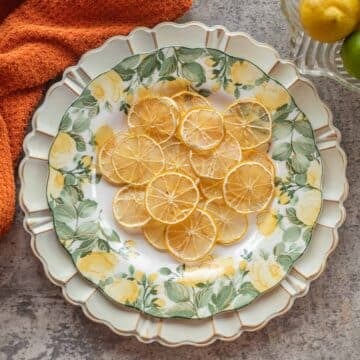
x,y
189,174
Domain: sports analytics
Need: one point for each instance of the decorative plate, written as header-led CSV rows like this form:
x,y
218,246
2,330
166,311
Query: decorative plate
x,y
119,266
313,57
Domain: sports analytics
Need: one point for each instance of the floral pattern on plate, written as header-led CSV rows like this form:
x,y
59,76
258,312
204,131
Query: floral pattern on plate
x,y
121,264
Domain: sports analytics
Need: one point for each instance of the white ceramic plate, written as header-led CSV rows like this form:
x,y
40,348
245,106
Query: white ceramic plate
x,y
60,268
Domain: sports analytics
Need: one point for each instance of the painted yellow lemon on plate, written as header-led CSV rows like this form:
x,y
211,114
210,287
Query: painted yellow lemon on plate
x,y
329,20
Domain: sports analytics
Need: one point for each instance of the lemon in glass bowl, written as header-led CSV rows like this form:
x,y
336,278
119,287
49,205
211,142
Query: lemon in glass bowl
x,y
329,20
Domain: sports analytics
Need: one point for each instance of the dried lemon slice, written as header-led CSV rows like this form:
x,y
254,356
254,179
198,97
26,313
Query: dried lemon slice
x,y
193,238
137,159
187,100
201,204
105,163
211,189
249,122
129,207
231,225
215,164
261,148
172,140
154,232
171,197
248,187
260,157
176,157
202,129
156,117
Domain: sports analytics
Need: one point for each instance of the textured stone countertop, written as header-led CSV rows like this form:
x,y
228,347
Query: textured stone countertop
x,y
37,323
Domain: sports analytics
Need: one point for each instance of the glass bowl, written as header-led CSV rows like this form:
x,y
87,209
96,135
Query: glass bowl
x,y
313,57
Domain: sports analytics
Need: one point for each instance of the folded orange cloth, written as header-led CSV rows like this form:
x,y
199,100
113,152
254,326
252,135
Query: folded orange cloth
x,y
37,41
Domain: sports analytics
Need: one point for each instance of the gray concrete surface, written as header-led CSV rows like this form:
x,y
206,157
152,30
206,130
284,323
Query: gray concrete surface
x,y
37,323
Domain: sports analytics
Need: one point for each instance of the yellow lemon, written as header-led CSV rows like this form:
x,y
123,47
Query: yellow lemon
x,y
152,277
313,175
308,207
245,73
142,92
243,264
329,20
272,95
107,87
62,151
55,183
266,222
264,274
209,62
123,290
226,265
97,265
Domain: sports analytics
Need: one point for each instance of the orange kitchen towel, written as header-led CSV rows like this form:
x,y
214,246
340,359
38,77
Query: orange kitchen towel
x,y
38,39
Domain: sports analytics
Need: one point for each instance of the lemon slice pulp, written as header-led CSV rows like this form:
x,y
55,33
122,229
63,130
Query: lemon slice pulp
x,y
249,122
192,239
248,187
171,197
137,159
202,129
